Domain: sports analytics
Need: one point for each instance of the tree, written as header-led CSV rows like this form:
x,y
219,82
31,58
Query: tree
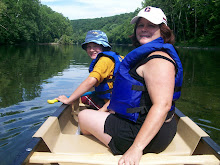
x,y
2,12
27,21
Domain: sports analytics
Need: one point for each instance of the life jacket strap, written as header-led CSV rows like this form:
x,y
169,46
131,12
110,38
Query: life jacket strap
x,y
110,80
177,89
141,110
144,109
138,88
102,92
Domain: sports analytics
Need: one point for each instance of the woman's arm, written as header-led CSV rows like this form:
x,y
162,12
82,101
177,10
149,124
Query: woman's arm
x,y
159,76
85,86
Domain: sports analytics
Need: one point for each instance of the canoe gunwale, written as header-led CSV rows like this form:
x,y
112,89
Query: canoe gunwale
x,y
30,147
28,151
179,113
60,110
213,146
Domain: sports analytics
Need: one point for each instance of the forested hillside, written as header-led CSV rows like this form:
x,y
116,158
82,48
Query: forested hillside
x,y
194,22
28,21
116,27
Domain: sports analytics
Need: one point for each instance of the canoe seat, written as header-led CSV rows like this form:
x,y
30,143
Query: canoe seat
x,y
186,139
60,141
79,144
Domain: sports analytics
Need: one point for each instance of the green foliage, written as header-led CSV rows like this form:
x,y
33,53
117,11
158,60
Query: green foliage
x,y
194,22
2,9
65,40
26,21
117,28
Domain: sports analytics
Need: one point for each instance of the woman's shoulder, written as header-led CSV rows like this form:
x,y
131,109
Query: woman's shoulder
x,y
161,53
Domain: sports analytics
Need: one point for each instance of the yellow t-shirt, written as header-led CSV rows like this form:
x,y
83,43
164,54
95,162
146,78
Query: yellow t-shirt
x,y
103,69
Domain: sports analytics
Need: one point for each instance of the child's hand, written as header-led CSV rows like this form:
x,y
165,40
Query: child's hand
x,y
63,99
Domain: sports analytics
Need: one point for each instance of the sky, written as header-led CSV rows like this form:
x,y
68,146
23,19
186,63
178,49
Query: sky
x,y
83,9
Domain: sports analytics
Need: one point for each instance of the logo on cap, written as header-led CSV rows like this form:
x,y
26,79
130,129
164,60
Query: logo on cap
x,y
95,33
147,9
164,19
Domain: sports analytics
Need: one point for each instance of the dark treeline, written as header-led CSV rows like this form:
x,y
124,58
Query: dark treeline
x,y
194,22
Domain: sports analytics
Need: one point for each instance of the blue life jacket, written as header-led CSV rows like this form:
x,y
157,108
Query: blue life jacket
x,y
103,91
127,91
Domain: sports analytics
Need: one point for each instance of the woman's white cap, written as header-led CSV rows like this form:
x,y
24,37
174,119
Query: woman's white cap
x,y
152,14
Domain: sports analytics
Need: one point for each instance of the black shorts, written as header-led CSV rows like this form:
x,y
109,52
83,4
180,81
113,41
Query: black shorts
x,y
123,133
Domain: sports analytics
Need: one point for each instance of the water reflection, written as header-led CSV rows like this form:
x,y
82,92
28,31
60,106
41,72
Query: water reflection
x,y
24,68
200,98
29,75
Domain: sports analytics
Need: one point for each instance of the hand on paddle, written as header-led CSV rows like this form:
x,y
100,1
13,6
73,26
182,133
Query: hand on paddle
x,y
63,99
57,99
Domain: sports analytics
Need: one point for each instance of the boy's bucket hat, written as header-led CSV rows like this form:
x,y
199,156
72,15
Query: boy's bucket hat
x,y
98,37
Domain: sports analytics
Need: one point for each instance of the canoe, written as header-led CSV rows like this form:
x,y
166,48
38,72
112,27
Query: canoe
x,y
58,141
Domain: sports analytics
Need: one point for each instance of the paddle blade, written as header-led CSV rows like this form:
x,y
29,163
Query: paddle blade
x,y
52,101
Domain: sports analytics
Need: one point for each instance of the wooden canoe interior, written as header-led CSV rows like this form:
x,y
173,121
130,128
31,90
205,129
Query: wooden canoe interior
x,y
60,144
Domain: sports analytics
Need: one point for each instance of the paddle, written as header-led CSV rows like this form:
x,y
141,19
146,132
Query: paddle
x,y
55,100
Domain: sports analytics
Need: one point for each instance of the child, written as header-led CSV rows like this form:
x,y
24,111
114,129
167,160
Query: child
x,y
102,71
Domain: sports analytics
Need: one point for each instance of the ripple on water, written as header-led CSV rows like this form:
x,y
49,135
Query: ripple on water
x,y
26,119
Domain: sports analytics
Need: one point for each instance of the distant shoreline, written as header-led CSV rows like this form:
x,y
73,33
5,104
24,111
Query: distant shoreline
x,y
184,47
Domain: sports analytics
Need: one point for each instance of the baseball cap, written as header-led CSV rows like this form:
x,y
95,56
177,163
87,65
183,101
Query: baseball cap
x,y
152,14
96,36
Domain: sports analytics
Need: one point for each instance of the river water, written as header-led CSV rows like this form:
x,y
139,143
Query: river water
x,y
30,75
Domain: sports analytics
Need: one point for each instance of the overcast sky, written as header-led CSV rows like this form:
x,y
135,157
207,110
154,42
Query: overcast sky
x,y
82,9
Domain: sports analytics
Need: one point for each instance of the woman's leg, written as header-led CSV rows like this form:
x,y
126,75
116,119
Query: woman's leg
x,y
92,122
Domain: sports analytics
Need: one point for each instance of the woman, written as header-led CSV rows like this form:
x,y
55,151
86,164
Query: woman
x,y
102,70
145,90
